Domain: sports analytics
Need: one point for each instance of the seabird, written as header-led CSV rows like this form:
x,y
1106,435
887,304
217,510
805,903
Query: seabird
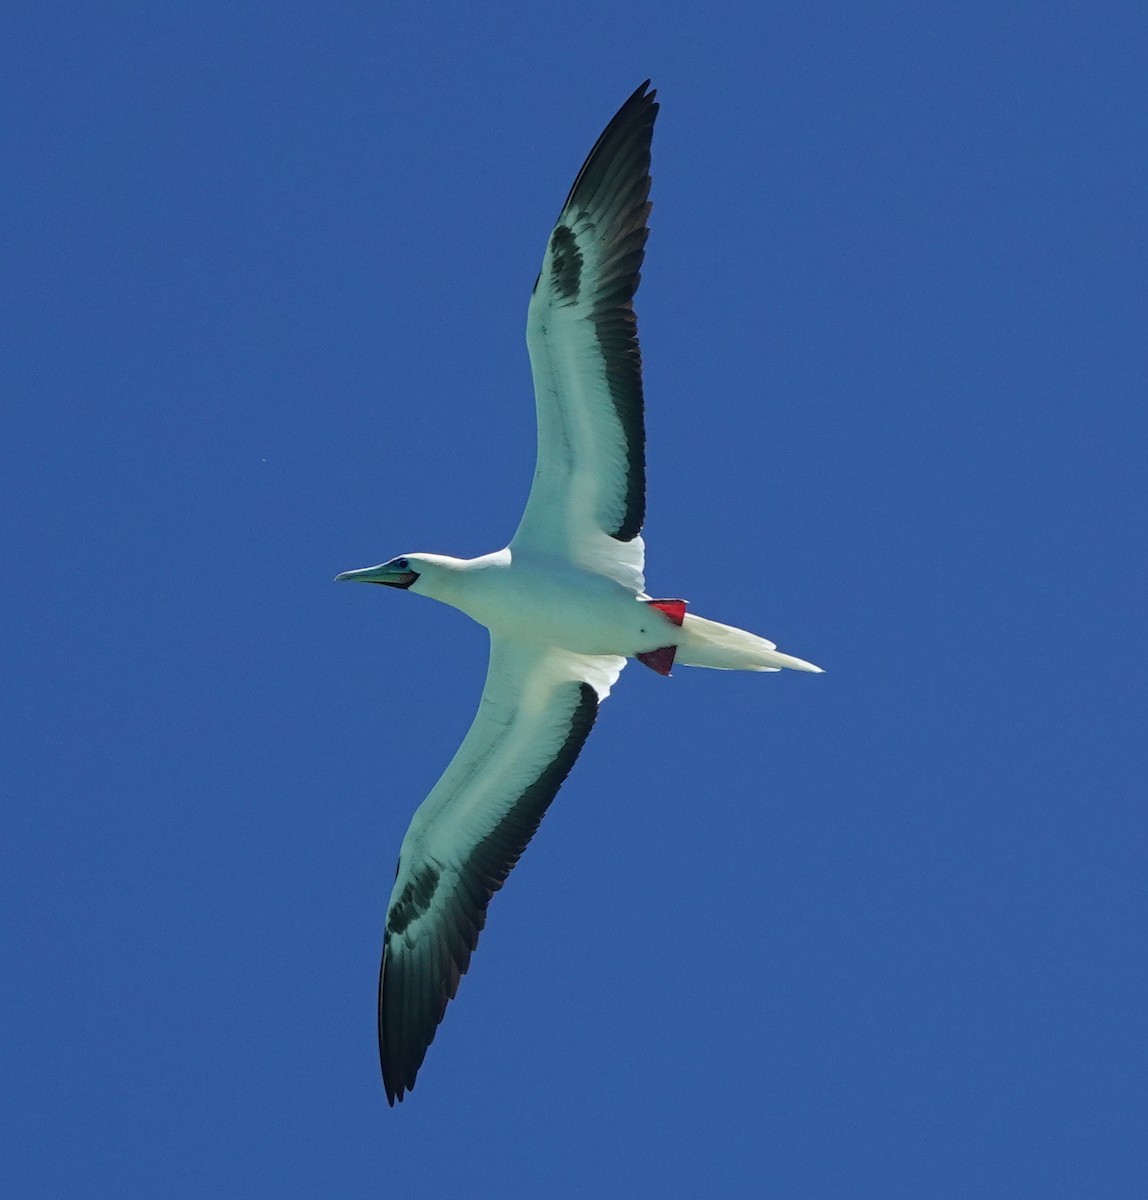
x,y
564,602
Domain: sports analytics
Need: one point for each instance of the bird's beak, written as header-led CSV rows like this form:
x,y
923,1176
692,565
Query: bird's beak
x,y
382,574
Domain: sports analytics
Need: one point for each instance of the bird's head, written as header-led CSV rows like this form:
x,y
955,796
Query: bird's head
x,y
399,572
428,574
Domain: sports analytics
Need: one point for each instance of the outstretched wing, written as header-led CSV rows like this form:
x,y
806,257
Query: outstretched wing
x,y
537,708
588,499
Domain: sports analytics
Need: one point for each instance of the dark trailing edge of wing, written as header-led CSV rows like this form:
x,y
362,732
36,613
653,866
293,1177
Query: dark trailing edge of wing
x,y
416,985
612,189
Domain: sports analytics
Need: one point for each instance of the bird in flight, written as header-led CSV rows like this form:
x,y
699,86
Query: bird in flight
x,y
564,602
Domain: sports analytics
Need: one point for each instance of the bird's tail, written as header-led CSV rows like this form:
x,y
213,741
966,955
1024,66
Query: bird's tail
x,y
707,644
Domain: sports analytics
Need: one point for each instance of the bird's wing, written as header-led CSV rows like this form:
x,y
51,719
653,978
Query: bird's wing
x,y
537,708
588,499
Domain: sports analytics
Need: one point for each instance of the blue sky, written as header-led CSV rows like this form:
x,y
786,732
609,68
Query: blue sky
x,y
878,933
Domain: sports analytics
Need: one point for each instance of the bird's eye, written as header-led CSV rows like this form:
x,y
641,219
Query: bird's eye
x,y
400,564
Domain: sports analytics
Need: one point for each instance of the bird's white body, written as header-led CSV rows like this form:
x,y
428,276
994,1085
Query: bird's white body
x,y
534,598
565,601
546,600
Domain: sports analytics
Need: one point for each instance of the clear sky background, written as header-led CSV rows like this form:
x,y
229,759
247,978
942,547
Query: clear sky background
x,y
878,933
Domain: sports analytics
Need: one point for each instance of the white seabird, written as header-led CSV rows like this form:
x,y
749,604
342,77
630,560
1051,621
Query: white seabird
x,y
564,602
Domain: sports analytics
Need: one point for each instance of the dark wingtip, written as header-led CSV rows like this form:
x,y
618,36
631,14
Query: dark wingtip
x,y
391,1084
640,107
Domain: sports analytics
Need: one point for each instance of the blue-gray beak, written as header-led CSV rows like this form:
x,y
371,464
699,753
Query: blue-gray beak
x,y
384,573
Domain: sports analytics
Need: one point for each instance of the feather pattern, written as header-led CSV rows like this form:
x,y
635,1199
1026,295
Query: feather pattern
x,y
588,499
536,711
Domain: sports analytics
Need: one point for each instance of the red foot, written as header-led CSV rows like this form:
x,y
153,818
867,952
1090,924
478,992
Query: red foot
x,y
660,660
674,609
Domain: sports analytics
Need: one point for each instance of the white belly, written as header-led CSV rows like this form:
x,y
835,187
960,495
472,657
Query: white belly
x,y
557,604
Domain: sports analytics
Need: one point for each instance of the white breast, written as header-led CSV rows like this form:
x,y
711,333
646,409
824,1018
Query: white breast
x,y
550,602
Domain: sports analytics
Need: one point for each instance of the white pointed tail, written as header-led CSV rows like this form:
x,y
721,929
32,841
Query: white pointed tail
x,y
709,644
